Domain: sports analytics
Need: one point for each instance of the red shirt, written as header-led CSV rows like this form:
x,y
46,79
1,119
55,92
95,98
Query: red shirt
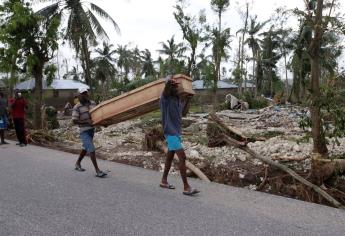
x,y
18,108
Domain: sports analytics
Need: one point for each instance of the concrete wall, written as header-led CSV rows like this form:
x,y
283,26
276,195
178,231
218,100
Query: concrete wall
x,y
205,96
58,98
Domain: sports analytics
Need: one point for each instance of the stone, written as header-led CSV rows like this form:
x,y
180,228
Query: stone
x,y
194,154
296,148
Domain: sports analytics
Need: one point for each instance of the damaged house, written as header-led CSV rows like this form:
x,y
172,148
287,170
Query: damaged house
x,y
57,94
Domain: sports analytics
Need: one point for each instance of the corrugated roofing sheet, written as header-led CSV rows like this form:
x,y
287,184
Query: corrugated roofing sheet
x,y
199,85
57,84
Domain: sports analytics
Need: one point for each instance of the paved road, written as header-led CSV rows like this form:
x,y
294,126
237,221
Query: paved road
x,y
41,194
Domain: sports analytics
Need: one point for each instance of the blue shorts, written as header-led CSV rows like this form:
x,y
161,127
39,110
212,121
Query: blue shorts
x,y
3,122
87,140
174,142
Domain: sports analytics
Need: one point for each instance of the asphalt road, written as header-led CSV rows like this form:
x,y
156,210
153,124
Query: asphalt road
x,y
41,194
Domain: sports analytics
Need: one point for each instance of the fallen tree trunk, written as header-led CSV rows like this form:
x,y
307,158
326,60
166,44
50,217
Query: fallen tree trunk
x,y
232,142
161,145
296,176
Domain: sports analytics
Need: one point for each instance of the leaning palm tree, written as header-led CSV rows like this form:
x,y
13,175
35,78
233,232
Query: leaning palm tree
x,y
83,28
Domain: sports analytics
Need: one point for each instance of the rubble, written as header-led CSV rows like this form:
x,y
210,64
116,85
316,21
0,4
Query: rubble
x,y
277,127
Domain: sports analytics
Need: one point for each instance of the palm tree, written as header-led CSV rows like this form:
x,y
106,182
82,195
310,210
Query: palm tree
x,y
83,28
174,52
219,6
136,62
124,61
103,63
270,56
147,64
191,33
241,54
253,42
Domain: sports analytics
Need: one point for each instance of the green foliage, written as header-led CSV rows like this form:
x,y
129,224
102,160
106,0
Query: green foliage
x,y
136,84
29,38
49,72
255,103
51,115
191,33
174,53
332,106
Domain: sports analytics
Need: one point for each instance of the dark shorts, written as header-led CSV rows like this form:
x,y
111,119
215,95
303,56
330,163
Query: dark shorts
x,y
87,140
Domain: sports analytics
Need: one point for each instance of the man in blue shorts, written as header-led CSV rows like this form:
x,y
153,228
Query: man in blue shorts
x,y
172,110
81,116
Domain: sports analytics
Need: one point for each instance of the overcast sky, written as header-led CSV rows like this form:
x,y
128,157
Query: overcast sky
x,y
145,23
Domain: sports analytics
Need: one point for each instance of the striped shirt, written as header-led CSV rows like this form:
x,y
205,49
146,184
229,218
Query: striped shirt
x,y
81,113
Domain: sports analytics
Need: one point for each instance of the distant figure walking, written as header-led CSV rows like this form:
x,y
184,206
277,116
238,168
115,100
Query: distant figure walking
x,y
81,116
19,107
3,118
172,111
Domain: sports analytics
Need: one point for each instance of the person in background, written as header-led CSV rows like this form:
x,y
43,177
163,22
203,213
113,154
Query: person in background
x,y
18,110
3,118
76,99
81,117
172,110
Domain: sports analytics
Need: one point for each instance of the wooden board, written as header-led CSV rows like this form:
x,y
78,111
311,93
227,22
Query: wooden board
x,y
136,102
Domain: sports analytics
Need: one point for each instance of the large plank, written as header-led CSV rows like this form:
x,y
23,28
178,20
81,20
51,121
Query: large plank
x,y
136,102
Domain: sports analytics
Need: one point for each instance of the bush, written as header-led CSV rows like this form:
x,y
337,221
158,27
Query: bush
x,y
255,103
136,84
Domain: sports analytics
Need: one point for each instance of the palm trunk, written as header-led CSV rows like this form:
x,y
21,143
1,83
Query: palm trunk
x,y
254,75
86,64
242,48
240,88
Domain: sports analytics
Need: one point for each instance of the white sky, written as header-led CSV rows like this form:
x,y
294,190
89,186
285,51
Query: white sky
x,y
145,23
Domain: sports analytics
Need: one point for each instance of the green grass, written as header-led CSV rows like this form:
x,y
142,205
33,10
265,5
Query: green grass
x,y
196,109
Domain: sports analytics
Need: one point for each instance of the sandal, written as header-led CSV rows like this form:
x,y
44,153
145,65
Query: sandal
x,y
79,168
168,186
101,174
191,192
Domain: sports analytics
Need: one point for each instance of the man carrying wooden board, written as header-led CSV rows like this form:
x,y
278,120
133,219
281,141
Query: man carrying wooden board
x,y
81,117
172,111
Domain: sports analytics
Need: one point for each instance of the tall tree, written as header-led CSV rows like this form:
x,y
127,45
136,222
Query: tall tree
x,y
219,7
254,43
319,138
38,40
103,65
191,33
244,31
124,61
285,39
83,28
147,67
174,52
270,57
